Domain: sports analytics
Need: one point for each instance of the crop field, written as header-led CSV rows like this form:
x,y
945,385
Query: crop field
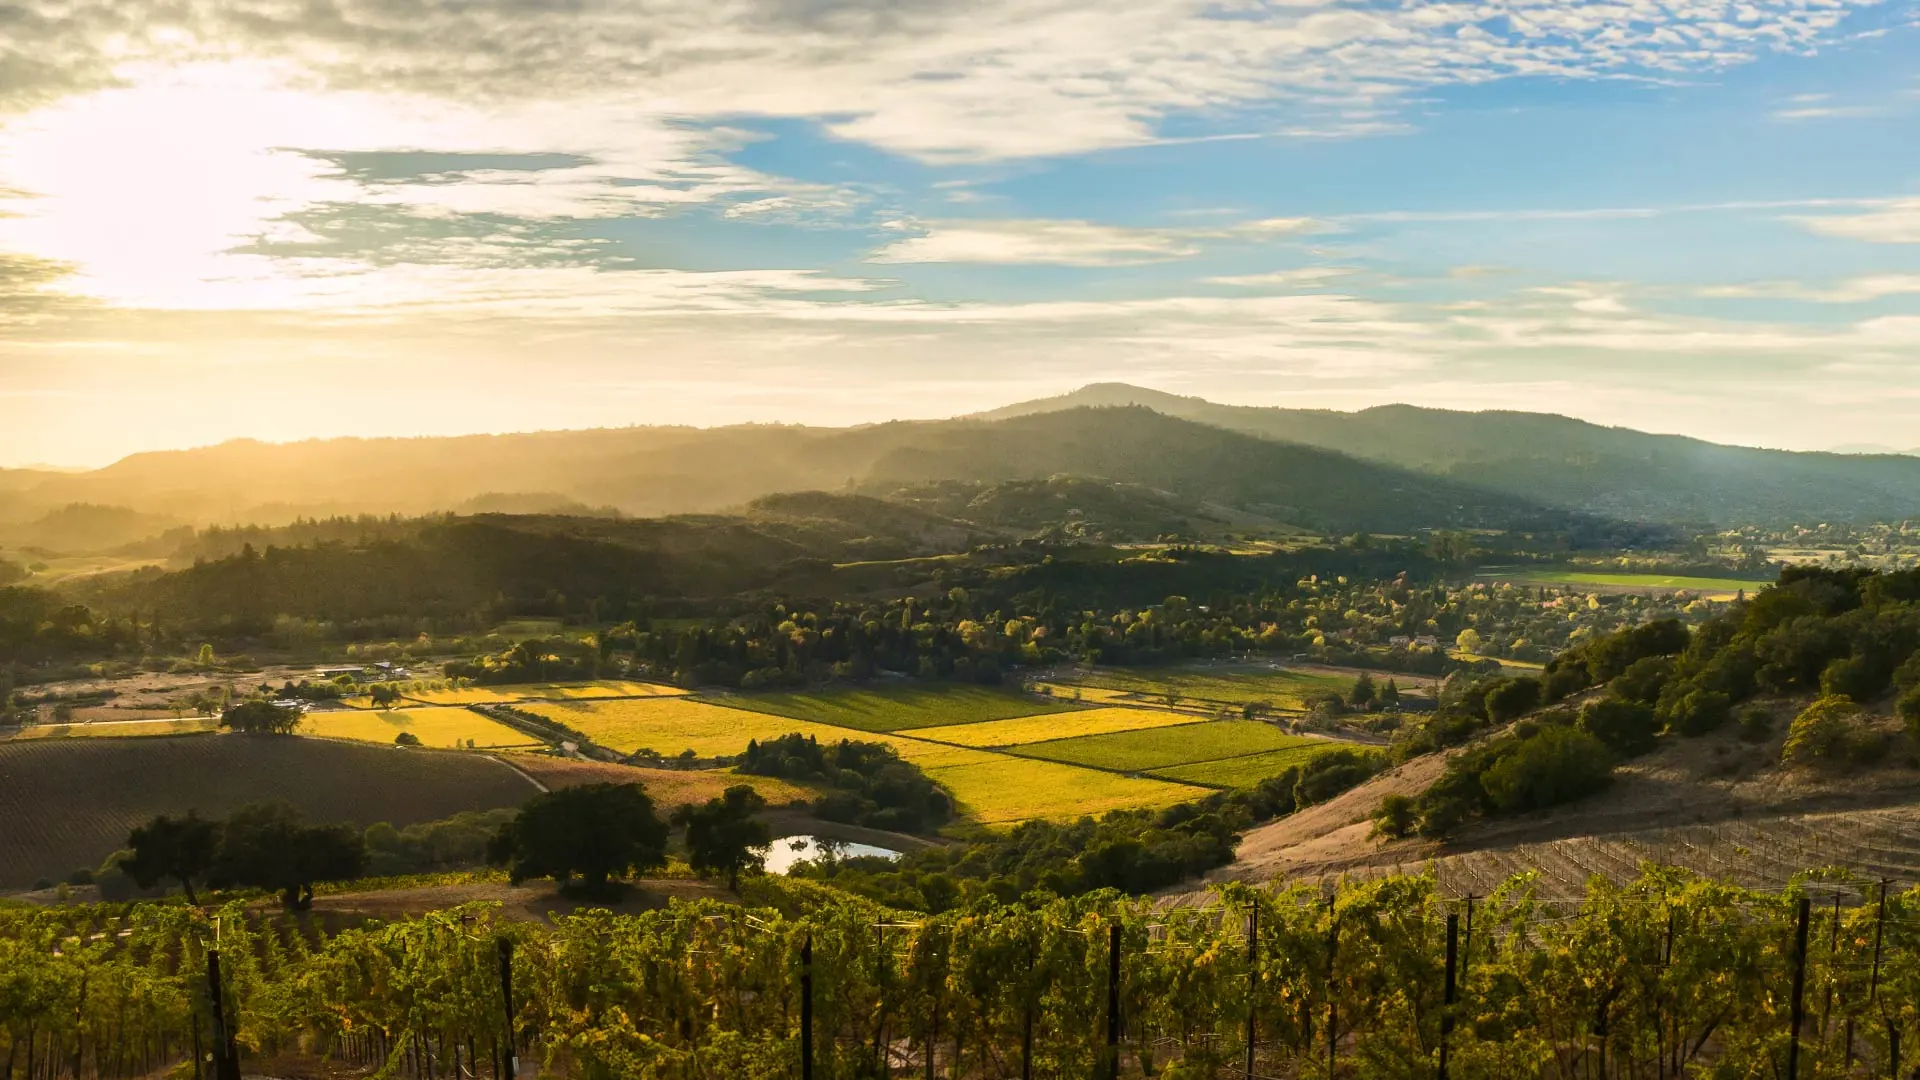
x,y
669,725
70,803
1093,695
1056,726
1249,770
668,788
900,708
1283,689
1626,582
120,729
498,695
991,788
1008,790
1152,749
443,727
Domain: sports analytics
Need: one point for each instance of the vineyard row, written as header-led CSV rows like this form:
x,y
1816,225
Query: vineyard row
x,y
1669,976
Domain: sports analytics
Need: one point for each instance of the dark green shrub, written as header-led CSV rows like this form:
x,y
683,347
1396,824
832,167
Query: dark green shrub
x,y
1508,699
1643,680
1628,728
1396,817
1756,724
1861,678
1556,766
1697,712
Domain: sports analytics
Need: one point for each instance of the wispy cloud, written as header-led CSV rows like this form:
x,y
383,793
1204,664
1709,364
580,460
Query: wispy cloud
x,y
1299,277
1066,243
1856,290
1890,221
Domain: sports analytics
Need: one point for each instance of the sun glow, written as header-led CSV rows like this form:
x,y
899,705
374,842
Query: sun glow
x,y
145,190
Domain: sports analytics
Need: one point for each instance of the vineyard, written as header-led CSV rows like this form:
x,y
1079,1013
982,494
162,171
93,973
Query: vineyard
x,y
1669,976
1284,690
69,803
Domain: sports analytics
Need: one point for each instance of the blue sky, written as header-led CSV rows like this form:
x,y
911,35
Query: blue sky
x,y
356,217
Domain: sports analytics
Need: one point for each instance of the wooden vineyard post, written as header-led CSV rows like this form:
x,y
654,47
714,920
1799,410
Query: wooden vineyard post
x,y
510,1054
1796,1011
1446,999
1253,977
1113,1002
806,1009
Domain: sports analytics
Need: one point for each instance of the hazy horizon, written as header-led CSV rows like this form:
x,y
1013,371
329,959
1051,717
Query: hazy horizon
x,y
351,218
1856,448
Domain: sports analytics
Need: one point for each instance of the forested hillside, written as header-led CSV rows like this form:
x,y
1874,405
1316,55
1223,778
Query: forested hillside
x,y
1561,461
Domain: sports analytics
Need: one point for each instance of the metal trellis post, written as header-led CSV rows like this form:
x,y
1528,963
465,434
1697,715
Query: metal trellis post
x,y
806,1009
1113,1001
1446,1000
1796,1012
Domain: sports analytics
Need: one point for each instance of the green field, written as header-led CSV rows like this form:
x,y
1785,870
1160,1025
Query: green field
x,y
898,708
1054,726
1283,689
1246,771
1151,749
1626,582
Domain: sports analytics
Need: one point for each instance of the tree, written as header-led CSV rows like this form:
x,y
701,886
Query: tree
x,y
261,717
1820,733
269,846
722,835
164,848
1390,695
406,738
592,832
1469,642
1361,696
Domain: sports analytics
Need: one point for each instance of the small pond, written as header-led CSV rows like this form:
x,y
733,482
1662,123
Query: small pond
x,y
784,852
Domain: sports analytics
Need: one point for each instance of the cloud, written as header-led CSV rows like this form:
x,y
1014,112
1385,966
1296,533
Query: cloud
x,y
1301,277
1053,242
1854,290
1891,221
935,79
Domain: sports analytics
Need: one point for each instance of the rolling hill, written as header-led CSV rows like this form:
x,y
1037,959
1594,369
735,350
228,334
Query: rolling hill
x,y
677,471
1560,461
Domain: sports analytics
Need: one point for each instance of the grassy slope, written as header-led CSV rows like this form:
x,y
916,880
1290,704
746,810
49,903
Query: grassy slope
x,y
1714,804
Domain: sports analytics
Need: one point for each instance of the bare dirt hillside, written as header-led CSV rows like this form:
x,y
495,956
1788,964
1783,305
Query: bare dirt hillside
x,y
1715,804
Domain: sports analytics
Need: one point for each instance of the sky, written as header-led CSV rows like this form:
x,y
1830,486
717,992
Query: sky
x,y
284,219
